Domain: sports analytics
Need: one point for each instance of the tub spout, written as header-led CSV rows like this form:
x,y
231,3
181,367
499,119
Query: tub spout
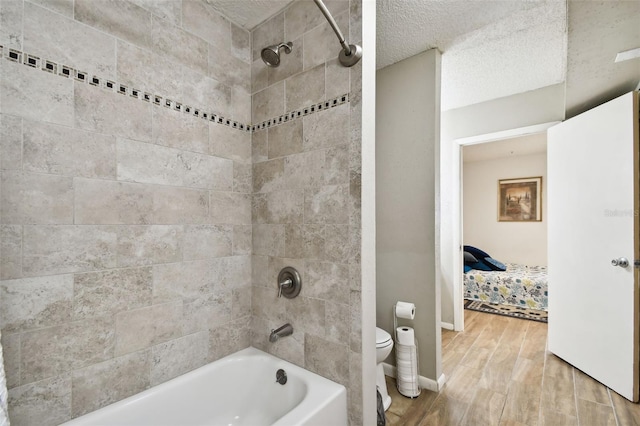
x,y
285,330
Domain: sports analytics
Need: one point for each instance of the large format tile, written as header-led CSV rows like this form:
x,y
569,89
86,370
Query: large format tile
x,y
65,151
182,280
179,45
11,357
142,328
285,139
111,113
11,249
326,128
591,413
242,177
51,351
122,19
207,311
327,358
305,89
171,10
30,303
485,409
105,202
180,205
305,170
108,292
149,244
11,16
43,403
268,103
283,207
10,142
230,143
320,43
63,7
64,40
230,208
242,240
182,131
145,70
36,95
35,198
179,356
303,16
110,381
326,204
310,314
55,249
149,163
230,338
211,94
269,175
326,280
207,241
199,18
241,43
268,240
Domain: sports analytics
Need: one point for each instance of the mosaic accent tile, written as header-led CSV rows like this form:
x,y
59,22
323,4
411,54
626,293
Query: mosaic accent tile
x,y
127,88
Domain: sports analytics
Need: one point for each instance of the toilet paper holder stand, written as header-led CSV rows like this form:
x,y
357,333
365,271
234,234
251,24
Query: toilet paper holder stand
x,y
415,388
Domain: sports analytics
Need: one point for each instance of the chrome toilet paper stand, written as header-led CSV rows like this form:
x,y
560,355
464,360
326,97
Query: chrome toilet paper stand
x,y
409,389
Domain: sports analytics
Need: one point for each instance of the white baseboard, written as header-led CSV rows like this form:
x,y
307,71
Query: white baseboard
x,y
424,382
446,325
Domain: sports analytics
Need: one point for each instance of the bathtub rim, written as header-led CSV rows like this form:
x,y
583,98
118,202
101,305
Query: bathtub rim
x,y
321,393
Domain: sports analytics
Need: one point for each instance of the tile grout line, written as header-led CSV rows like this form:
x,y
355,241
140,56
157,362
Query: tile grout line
x,y
575,395
55,68
613,407
513,371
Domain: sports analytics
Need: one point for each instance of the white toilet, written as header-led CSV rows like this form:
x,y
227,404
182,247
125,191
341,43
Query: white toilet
x,y
384,344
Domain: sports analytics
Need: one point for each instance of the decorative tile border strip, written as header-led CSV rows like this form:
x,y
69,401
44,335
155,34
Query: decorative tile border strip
x,y
106,84
301,112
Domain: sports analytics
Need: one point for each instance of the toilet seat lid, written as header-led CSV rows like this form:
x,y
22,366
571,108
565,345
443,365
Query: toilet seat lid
x,y
382,337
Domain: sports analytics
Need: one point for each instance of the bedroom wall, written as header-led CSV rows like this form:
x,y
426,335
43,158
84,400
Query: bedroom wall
x,y
515,242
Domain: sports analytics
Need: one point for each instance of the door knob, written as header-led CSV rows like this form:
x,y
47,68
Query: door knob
x,y
621,262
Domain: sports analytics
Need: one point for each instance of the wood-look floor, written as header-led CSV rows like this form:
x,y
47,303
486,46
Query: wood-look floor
x,y
499,373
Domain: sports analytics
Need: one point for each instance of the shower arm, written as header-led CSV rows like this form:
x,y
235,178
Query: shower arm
x,y
350,53
332,22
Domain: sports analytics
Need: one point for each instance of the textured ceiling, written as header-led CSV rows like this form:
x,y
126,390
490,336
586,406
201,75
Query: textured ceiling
x,y
407,27
523,51
597,32
497,48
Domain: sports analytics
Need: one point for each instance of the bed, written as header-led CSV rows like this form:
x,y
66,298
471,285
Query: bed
x,y
520,285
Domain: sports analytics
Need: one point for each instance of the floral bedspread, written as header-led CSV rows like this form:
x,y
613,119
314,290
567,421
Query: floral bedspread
x,y
519,285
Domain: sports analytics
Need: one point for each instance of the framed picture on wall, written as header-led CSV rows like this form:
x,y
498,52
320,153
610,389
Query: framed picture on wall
x,y
520,200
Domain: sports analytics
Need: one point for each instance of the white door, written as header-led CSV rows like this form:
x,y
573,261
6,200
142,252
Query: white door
x,y
593,220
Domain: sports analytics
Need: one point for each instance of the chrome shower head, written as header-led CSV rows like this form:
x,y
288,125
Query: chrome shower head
x,y
271,54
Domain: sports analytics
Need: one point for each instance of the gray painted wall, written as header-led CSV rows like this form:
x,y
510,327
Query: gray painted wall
x,y
407,133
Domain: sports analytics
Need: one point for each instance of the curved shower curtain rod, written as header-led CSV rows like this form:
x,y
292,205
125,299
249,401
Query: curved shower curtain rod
x,y
350,53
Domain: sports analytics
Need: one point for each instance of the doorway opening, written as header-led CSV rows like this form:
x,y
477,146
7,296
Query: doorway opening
x,y
520,245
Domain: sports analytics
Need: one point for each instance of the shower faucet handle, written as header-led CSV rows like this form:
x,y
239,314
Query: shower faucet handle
x,y
289,282
284,284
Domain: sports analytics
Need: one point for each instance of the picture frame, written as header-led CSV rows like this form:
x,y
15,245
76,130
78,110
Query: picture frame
x,y
520,200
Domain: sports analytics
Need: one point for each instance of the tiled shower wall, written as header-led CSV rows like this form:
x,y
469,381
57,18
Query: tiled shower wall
x,y
306,201
125,225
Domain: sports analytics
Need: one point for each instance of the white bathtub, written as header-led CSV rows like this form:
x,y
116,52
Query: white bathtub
x,y
238,390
